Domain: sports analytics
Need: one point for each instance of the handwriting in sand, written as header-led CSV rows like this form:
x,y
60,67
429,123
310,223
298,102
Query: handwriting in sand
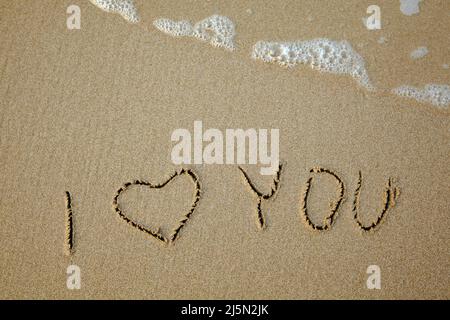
x,y
390,194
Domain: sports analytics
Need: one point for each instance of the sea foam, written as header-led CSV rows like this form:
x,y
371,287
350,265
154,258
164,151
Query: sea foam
x,y
436,94
382,40
125,8
409,7
321,54
418,53
217,30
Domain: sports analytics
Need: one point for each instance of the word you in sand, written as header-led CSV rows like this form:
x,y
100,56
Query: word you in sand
x,y
390,195
235,139
126,8
218,30
324,55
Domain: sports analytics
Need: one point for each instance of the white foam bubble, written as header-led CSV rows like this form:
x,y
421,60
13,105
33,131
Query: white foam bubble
x,y
436,94
364,21
418,53
321,54
125,8
409,7
174,28
382,40
217,30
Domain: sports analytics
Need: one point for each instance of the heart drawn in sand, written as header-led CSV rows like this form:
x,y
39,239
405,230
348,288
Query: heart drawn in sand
x,y
157,234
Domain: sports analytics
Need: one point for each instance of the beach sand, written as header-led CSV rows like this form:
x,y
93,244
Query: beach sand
x,y
87,110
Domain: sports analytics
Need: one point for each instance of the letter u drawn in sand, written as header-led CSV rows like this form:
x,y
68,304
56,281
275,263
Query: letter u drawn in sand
x,y
391,193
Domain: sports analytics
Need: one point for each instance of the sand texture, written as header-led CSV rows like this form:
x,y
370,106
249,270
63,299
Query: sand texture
x,y
91,112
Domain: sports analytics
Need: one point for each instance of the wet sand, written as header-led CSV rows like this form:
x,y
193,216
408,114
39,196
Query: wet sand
x,y
88,110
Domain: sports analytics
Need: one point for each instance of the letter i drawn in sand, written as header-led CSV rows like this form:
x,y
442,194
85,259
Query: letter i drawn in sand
x,y
68,243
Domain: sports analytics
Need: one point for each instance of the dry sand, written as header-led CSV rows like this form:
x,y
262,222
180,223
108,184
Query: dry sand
x,y
87,110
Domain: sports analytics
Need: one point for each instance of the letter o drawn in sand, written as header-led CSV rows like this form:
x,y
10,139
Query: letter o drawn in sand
x,y
328,221
157,234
